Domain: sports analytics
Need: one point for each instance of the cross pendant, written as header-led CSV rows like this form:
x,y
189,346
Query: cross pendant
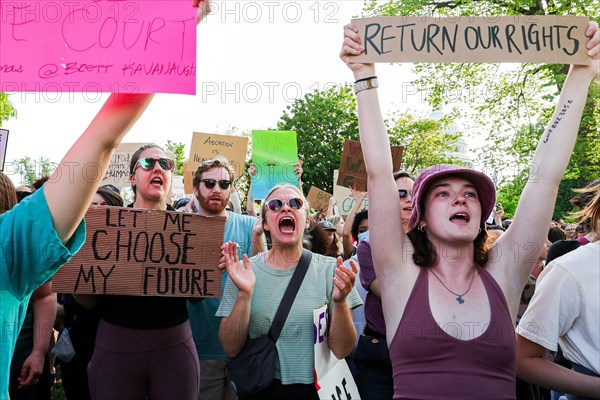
x,y
460,299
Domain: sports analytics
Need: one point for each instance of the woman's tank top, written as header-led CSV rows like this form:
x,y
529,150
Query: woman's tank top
x,y
428,363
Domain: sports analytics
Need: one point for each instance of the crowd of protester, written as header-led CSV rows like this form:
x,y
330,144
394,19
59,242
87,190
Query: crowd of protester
x,y
429,259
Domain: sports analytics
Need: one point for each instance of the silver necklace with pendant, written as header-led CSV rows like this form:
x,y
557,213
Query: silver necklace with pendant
x,y
459,297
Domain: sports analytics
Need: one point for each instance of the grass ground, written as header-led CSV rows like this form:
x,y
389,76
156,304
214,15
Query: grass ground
x,y
58,393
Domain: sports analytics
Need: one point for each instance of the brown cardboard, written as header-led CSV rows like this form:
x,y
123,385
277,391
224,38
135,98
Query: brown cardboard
x,y
159,253
188,178
208,145
117,173
318,199
352,165
542,39
343,196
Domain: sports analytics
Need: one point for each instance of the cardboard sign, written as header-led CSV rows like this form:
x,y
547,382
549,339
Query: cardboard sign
x,y
318,199
188,178
209,145
118,169
352,166
145,253
551,39
333,378
343,196
132,46
3,144
274,154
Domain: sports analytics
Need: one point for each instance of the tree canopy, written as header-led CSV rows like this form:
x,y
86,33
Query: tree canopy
x,y
323,120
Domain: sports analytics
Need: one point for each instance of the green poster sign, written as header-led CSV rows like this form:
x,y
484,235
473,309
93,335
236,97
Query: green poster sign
x,y
274,154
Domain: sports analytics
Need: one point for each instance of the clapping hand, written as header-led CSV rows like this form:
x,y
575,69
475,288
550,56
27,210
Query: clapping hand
x,y
240,272
343,281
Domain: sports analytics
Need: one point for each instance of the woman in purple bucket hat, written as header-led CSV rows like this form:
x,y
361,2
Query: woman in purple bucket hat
x,y
449,302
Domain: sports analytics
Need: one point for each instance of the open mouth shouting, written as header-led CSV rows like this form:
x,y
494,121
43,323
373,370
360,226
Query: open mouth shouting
x,y
157,181
461,218
287,225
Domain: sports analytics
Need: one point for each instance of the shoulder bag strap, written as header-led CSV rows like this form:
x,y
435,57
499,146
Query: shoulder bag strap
x,y
290,295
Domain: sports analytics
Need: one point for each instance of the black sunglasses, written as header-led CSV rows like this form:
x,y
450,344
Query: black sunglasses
x,y
276,205
210,183
148,163
402,193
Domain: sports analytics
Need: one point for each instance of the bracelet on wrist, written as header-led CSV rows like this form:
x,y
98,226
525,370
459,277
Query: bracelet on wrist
x,y
365,79
364,84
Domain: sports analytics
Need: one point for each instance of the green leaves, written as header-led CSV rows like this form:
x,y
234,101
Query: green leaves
x,y
178,152
322,120
6,108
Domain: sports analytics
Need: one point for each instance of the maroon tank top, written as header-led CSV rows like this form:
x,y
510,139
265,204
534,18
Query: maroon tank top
x,y
428,363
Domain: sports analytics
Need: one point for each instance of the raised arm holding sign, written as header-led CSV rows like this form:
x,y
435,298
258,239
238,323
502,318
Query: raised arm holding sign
x,y
440,273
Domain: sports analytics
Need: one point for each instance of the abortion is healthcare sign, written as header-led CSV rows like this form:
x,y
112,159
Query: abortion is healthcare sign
x,y
127,46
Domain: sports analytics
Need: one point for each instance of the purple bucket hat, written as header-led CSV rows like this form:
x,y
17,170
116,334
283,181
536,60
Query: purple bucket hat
x,y
484,185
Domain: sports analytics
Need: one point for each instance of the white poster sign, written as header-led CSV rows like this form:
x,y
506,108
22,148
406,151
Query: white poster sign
x,y
333,378
343,195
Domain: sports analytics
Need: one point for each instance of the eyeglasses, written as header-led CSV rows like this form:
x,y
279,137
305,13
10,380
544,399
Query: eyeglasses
x,y
276,205
210,183
148,163
402,193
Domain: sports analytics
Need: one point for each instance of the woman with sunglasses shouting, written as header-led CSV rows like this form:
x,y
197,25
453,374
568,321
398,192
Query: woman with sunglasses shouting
x,y
256,286
144,346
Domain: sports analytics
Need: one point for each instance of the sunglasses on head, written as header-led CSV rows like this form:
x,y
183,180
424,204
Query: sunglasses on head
x,y
402,193
210,183
148,163
276,205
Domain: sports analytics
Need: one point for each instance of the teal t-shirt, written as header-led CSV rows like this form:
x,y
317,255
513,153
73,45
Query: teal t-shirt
x,y
30,253
205,325
295,348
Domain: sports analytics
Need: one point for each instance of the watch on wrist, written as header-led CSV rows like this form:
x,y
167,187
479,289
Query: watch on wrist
x,y
364,84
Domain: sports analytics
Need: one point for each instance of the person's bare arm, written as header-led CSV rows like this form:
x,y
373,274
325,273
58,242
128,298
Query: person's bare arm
x,y
233,330
533,367
81,170
44,314
523,242
359,198
342,334
249,199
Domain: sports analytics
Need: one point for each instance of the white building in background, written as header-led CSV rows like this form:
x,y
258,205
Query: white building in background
x,y
462,153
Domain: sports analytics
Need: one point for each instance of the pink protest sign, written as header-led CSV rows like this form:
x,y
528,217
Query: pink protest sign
x,y
132,46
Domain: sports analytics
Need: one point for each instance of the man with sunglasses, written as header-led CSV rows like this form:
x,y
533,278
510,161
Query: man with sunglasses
x,y
213,187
